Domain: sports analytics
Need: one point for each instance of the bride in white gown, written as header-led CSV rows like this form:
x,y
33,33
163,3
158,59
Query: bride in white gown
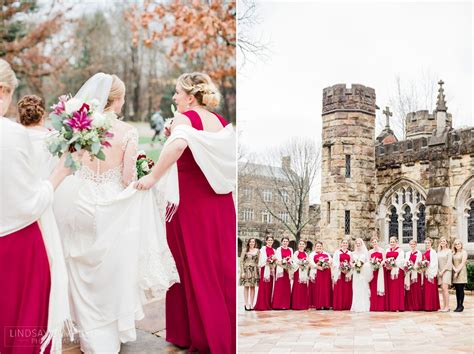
x,y
360,280
112,260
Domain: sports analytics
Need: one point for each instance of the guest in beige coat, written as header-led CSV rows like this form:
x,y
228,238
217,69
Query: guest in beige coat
x,y
459,273
445,266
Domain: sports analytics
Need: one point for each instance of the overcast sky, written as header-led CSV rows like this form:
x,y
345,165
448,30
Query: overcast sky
x,y
312,45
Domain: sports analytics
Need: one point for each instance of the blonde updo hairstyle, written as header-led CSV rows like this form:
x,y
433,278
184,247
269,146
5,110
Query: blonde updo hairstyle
x,y
8,80
117,91
201,87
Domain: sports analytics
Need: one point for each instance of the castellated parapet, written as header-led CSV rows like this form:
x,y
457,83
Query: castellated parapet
x,y
458,142
423,123
356,98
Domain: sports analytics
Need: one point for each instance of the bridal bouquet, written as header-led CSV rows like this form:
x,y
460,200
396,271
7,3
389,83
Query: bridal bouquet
x,y
78,127
345,267
390,262
286,263
323,263
409,266
423,265
144,164
358,265
376,263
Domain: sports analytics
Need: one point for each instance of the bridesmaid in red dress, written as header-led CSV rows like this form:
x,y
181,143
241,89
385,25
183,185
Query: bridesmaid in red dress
x,y
300,292
342,279
413,290
395,277
282,290
430,278
267,270
24,265
377,284
201,309
320,286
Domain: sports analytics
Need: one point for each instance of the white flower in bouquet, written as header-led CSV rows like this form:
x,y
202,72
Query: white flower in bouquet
x,y
72,105
144,166
99,120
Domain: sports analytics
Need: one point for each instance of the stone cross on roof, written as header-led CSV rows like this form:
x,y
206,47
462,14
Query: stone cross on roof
x,y
388,114
441,102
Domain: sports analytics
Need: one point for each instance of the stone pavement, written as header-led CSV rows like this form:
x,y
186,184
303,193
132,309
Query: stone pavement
x,y
150,335
376,332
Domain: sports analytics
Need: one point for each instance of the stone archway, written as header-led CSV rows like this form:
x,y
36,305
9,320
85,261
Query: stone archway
x,y
464,203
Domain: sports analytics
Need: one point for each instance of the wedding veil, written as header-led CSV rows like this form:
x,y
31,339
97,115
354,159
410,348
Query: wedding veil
x,y
98,87
363,249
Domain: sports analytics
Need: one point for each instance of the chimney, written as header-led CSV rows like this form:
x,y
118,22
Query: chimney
x,y
286,162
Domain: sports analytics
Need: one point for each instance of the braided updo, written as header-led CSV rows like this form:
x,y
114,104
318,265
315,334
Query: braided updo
x,y
201,87
31,110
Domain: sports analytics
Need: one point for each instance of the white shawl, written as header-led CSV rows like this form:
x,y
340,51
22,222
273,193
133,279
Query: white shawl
x,y
262,262
24,196
312,264
279,268
432,271
412,276
302,274
27,197
215,154
400,263
336,272
380,275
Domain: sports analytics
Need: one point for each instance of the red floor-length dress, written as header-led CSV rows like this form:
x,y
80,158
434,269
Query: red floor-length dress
x,y
282,290
265,288
377,302
321,289
342,296
300,292
200,311
414,295
395,291
24,294
430,289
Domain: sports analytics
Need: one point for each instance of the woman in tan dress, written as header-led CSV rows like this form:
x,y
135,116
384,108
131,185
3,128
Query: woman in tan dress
x,y
459,273
445,266
249,276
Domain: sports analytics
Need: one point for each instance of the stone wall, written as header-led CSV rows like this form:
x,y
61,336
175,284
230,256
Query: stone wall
x,y
440,166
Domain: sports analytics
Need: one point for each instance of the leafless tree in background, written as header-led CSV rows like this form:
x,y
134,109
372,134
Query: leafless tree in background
x,y
292,183
411,96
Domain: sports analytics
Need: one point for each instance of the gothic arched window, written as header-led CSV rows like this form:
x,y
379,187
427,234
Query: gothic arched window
x,y
407,233
470,223
404,211
393,223
421,224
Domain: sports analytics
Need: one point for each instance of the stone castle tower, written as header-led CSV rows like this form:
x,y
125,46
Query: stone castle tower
x,y
348,164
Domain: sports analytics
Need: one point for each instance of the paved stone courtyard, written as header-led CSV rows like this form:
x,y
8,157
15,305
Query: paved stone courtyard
x,y
329,331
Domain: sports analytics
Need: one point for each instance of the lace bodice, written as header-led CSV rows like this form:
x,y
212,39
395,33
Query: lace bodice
x,y
114,175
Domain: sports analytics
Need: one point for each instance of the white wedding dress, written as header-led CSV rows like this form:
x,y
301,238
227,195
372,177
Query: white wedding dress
x,y
360,283
111,260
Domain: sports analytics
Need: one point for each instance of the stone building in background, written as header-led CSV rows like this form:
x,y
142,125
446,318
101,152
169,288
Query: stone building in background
x,y
422,186
256,192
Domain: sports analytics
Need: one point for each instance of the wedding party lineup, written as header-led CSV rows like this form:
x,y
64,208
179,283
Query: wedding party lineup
x,y
236,176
